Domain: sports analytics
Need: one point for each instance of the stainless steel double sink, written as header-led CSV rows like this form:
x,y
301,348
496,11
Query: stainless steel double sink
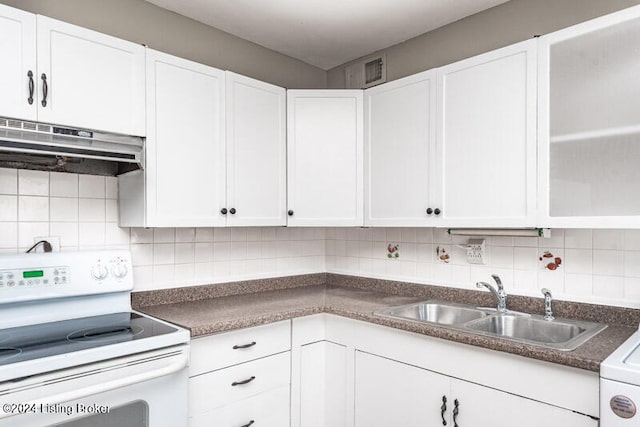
x,y
559,334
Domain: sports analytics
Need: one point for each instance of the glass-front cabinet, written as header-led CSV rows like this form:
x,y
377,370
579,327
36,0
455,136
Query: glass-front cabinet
x,y
589,124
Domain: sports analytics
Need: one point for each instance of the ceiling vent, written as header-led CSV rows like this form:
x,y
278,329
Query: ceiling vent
x,y
366,73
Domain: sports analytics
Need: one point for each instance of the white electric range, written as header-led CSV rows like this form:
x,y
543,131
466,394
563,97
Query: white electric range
x,y
72,352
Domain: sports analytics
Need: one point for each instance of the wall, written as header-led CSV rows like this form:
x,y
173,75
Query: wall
x,y
601,266
508,23
160,29
82,211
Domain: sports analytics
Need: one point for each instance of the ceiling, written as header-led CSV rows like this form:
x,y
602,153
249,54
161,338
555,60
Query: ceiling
x,y
326,33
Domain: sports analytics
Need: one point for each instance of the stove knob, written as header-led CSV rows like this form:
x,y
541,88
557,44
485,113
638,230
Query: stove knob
x,y
99,272
119,269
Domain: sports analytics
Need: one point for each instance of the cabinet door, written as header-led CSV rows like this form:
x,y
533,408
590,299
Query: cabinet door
x,y
390,393
399,139
323,385
480,406
589,99
93,80
325,148
256,152
18,47
487,139
185,165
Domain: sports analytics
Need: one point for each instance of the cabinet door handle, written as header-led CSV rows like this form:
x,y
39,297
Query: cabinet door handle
x,y
31,87
45,89
223,211
429,211
247,381
290,212
251,344
248,424
436,211
456,411
232,211
443,409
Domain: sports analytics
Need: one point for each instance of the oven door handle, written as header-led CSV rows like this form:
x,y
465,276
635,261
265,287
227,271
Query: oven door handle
x,y
177,365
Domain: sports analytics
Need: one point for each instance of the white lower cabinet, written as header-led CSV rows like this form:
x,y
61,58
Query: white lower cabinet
x,y
389,393
323,384
264,410
237,380
347,373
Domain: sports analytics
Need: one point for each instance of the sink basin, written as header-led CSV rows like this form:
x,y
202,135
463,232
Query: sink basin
x,y
530,329
559,334
436,312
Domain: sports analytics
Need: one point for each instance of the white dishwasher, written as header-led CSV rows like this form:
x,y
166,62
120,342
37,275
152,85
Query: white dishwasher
x,y
620,385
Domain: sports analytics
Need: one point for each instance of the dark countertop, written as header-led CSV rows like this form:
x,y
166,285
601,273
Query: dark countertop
x,y
224,313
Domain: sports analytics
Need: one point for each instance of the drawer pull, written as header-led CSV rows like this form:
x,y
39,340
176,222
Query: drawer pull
x,y
248,424
251,344
247,381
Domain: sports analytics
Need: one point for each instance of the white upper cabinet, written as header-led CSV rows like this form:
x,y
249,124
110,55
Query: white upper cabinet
x,y
589,124
256,152
185,164
325,157
486,139
88,79
18,95
59,73
215,152
400,131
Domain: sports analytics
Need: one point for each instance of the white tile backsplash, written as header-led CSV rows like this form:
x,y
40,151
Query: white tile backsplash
x,y
608,239
63,185
63,209
91,210
601,266
8,235
111,187
33,183
92,186
8,181
8,207
33,208
164,235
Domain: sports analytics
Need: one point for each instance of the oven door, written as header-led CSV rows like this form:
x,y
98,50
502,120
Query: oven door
x,y
144,390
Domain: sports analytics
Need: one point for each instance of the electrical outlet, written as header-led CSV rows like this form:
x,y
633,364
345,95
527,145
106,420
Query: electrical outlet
x,y
53,240
476,251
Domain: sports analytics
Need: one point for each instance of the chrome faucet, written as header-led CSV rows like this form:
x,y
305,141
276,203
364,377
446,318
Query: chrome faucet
x,y
500,296
548,313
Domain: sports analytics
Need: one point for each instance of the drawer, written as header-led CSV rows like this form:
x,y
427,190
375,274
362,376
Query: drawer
x,y
231,348
269,409
219,388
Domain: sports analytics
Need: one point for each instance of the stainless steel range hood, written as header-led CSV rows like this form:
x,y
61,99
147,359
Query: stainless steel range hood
x,y
39,139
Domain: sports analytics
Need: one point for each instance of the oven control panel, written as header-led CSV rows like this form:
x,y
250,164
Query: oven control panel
x,y
45,276
28,277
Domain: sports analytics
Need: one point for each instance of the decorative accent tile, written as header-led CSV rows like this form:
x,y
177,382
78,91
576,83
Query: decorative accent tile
x,y
442,254
549,261
393,251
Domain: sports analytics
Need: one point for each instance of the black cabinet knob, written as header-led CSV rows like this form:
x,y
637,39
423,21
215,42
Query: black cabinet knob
x,y
429,211
436,211
290,212
223,211
232,211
